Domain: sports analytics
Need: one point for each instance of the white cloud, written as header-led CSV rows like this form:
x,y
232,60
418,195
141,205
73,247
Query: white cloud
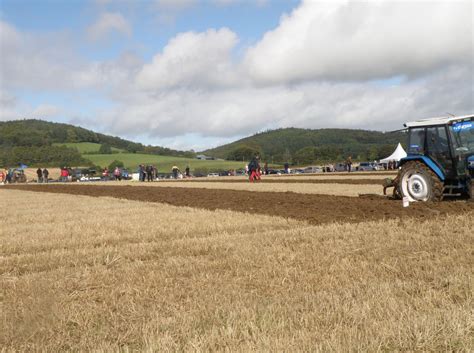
x,y
174,5
11,108
192,60
108,23
41,61
103,2
8,106
362,40
7,99
325,65
45,111
233,2
49,62
244,110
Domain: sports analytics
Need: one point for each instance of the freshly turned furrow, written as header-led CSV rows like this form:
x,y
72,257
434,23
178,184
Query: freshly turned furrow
x,y
313,208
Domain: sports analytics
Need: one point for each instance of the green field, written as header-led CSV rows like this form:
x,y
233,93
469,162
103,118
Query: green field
x,y
163,163
86,147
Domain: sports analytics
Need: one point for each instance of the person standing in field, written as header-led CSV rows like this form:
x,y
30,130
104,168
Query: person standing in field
x,y
2,176
105,174
39,173
149,173
287,168
64,174
117,174
140,172
254,170
45,175
187,172
175,171
9,176
143,173
349,163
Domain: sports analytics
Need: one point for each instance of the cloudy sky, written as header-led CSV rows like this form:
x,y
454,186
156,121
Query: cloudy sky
x,y
199,73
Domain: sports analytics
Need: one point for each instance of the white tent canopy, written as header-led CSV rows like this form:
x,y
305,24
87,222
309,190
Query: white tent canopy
x,y
398,154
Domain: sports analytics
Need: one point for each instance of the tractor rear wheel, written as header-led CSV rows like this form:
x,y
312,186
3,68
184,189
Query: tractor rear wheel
x,y
419,183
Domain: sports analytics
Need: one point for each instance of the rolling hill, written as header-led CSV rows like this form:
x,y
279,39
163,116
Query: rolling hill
x,y
37,142
42,143
33,132
301,146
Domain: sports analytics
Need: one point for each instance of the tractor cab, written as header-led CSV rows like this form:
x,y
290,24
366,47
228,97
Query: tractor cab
x,y
440,158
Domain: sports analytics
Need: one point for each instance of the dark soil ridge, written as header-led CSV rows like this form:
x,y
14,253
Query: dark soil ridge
x,y
315,209
388,173
289,181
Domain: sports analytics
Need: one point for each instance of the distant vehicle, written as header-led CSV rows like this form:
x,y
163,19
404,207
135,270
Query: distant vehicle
x,y
212,175
19,176
275,171
89,178
296,171
165,176
126,174
313,170
340,167
366,167
83,174
329,168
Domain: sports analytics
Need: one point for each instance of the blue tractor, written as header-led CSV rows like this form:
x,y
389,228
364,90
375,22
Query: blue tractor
x,y
440,159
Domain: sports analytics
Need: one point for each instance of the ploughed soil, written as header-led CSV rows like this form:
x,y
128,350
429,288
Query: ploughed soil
x,y
315,209
381,172
288,181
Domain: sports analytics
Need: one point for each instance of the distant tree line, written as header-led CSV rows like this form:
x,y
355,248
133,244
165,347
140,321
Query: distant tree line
x,y
306,146
48,156
33,134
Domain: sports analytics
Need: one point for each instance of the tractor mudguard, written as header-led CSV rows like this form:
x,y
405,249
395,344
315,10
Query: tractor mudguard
x,y
428,162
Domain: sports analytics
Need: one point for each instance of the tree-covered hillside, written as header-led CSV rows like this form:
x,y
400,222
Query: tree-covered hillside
x,y
304,146
35,142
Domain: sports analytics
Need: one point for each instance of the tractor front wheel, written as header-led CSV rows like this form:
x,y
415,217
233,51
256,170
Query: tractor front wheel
x,y
419,183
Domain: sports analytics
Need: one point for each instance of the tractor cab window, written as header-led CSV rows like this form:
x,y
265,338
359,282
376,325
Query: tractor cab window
x,y
462,134
437,140
437,146
416,143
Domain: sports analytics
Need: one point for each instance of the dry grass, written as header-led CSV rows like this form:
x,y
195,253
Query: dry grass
x,y
301,188
107,275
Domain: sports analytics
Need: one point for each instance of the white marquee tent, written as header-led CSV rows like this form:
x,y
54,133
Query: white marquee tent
x,y
398,154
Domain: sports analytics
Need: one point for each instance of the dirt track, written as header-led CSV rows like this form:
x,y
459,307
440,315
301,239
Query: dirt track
x,y
316,209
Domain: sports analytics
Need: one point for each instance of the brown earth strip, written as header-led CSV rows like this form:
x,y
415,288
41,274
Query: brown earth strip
x,y
381,172
289,181
316,209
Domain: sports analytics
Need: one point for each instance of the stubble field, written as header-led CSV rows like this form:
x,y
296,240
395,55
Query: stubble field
x,y
139,268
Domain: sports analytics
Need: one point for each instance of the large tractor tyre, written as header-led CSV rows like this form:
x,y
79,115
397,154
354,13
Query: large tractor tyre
x,y
419,183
